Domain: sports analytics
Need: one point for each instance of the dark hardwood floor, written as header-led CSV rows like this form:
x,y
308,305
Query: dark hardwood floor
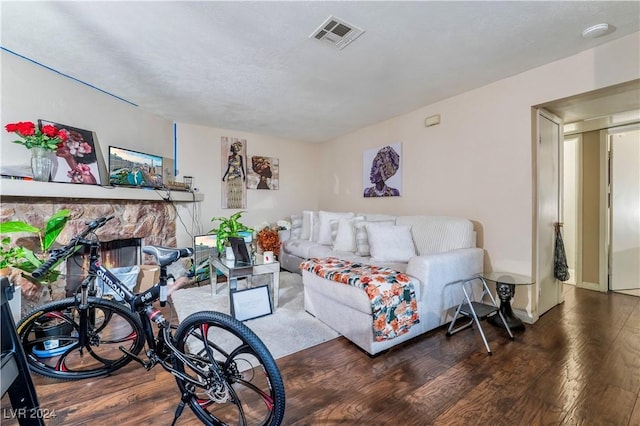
x,y
579,364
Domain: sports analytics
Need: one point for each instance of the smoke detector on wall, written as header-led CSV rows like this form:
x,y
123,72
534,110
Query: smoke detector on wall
x,y
337,32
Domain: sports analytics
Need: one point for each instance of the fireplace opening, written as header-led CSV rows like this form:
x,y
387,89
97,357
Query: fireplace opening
x,y
113,254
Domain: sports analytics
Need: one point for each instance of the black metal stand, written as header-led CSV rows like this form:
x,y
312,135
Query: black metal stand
x,y
16,379
506,293
476,311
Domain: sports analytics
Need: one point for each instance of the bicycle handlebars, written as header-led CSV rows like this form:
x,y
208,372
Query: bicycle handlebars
x,y
57,255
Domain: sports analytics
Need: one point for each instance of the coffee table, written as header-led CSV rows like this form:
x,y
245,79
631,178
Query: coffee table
x,y
506,283
234,270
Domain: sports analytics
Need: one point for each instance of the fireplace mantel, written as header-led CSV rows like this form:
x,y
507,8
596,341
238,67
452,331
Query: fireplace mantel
x,y
30,189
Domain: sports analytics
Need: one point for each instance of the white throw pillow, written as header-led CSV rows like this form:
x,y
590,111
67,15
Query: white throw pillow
x,y
390,243
345,239
324,228
296,226
362,241
307,225
334,229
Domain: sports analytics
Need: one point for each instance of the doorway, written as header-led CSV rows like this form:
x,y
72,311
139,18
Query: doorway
x,y
605,250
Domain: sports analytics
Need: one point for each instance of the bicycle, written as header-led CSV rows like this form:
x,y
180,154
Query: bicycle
x,y
87,336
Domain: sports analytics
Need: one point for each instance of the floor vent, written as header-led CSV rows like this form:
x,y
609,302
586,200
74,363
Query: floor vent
x,y
337,32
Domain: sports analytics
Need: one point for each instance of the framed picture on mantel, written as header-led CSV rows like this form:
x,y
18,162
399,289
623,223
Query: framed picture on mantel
x,y
79,159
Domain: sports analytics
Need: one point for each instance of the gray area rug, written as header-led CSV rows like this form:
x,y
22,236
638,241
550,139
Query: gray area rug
x,y
289,329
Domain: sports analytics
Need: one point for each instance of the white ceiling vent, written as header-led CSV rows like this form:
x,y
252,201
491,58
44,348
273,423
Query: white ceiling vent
x,y
337,32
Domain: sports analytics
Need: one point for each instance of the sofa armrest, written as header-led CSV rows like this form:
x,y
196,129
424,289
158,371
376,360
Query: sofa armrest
x,y
435,272
446,267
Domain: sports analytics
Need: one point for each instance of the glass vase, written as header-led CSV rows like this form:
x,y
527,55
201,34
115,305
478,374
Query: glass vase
x,y
40,164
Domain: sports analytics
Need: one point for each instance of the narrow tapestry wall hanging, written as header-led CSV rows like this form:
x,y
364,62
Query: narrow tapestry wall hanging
x,y
264,173
234,153
381,171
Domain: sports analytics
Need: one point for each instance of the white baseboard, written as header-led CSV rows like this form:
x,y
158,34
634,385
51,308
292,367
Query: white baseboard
x,y
590,286
524,316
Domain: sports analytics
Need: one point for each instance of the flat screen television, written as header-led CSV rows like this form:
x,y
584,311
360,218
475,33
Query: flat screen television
x,y
134,169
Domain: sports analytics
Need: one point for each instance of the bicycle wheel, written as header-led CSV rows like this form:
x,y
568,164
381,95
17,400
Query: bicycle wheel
x,y
49,335
245,389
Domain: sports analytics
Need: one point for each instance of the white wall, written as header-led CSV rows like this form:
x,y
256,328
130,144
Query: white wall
x,y
30,92
199,155
478,163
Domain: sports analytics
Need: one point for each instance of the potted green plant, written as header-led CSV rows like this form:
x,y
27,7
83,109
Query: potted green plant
x,y
228,227
26,259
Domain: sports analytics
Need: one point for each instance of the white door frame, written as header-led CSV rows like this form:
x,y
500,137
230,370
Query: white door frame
x,y
558,296
577,189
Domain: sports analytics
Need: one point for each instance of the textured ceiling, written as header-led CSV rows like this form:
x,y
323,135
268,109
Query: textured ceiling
x,y
250,65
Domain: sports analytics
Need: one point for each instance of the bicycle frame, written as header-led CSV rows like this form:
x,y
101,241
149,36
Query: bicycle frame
x,y
135,302
141,304
205,375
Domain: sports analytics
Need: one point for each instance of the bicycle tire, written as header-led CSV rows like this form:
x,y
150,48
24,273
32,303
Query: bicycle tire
x,y
49,336
251,392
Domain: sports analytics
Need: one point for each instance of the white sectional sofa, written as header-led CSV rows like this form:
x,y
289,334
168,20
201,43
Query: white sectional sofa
x,y
433,250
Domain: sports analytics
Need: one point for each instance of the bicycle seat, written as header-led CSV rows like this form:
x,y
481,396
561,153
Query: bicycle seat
x,y
166,255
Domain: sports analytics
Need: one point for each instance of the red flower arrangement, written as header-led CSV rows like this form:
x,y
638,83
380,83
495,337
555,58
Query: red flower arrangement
x,y
269,240
47,137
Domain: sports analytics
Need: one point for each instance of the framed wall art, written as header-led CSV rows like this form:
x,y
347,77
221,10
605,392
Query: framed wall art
x,y
263,173
234,153
79,159
381,171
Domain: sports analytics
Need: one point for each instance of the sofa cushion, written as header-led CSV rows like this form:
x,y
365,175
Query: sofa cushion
x,y
390,243
439,234
319,250
376,217
362,240
324,226
299,248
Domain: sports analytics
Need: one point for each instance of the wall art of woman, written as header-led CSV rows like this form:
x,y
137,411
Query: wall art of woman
x,y
262,167
79,155
383,166
235,177
78,159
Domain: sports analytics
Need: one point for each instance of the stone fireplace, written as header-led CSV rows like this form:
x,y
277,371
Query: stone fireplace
x,y
152,222
118,253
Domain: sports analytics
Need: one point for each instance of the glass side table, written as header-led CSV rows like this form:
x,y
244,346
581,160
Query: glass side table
x,y
506,283
234,270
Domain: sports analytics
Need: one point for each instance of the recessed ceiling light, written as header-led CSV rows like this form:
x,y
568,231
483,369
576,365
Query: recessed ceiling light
x,y
596,31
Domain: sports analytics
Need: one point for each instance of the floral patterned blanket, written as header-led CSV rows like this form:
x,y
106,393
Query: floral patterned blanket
x,y
393,300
